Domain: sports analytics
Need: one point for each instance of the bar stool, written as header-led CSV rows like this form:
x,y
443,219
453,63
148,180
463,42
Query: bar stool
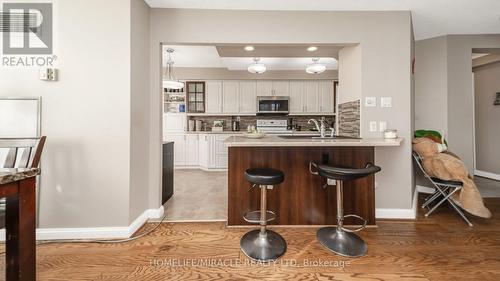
x,y
339,239
263,244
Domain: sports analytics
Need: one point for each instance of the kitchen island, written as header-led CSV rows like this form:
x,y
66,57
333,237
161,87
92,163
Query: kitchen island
x,y
301,199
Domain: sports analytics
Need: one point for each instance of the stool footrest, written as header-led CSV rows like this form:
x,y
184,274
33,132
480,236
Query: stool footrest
x,y
356,229
254,216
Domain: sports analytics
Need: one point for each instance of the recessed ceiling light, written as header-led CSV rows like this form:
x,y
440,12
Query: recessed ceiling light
x,y
249,48
312,48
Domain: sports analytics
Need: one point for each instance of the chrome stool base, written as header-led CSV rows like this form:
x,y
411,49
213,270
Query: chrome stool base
x,y
343,243
266,247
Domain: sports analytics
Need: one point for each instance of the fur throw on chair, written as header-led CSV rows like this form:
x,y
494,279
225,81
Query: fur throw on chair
x,y
447,166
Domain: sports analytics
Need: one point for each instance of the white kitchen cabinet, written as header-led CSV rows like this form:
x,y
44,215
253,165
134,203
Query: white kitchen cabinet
x,y
191,149
311,97
206,151
326,97
281,88
297,97
247,97
179,148
174,122
203,149
230,97
213,98
264,88
273,88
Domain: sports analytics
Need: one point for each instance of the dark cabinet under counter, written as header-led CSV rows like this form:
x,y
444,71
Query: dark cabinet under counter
x,y
167,189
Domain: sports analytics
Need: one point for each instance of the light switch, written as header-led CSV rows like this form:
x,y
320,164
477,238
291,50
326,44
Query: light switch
x,y
373,126
385,102
370,102
382,126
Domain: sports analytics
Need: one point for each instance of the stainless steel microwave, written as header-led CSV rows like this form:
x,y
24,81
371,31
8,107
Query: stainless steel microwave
x,y
273,105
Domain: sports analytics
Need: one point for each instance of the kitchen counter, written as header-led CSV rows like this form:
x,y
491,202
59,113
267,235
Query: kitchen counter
x,y
12,175
275,140
302,199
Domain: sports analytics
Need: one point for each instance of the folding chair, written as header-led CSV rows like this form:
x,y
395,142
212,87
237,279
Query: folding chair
x,y
442,188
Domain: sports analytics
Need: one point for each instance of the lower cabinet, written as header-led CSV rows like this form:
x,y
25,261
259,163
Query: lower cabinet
x,y
206,151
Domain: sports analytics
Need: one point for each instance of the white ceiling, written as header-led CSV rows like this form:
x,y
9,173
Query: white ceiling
x,y
431,18
207,56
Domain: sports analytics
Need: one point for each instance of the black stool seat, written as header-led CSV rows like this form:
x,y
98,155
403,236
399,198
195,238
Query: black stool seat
x,y
264,176
346,174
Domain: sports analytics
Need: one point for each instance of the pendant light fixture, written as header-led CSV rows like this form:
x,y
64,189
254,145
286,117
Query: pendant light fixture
x,y
256,67
315,67
169,81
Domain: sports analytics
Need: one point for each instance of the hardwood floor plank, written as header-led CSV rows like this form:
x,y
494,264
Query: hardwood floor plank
x,y
440,247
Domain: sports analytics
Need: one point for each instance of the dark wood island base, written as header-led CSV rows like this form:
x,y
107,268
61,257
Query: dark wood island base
x,y
301,198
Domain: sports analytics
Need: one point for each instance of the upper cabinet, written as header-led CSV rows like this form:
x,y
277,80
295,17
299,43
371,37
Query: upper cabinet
x,y
264,88
214,97
273,88
312,97
195,96
326,97
248,97
230,97
238,97
297,97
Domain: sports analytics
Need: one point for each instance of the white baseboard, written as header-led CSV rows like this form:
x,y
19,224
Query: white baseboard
x,y
95,232
200,168
384,213
487,175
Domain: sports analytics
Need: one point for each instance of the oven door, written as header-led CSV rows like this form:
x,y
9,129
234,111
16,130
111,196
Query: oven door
x,y
273,105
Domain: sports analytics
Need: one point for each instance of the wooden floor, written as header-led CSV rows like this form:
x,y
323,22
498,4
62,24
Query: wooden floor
x,y
441,247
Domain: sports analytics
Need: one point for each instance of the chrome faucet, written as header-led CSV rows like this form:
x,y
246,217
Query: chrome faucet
x,y
321,127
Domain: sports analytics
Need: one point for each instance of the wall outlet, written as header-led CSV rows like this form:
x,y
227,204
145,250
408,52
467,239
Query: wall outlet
x,y
382,126
373,126
370,102
385,102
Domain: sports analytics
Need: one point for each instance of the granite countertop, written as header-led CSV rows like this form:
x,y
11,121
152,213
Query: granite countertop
x,y
275,140
17,174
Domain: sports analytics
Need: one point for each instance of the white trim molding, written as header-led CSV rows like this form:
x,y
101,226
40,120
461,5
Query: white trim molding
x,y
487,175
95,232
383,213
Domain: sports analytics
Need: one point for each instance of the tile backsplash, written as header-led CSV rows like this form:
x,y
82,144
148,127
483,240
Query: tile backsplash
x,y
349,118
301,121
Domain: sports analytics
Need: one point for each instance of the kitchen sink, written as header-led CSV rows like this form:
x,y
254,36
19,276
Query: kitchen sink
x,y
316,136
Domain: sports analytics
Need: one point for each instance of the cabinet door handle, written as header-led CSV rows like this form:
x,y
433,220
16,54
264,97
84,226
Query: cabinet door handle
x,y
184,137
205,138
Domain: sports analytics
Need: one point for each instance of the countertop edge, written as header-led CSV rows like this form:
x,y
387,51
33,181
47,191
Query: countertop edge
x,y
12,175
375,142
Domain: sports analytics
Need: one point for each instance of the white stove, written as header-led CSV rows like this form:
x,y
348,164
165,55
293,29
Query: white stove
x,y
273,126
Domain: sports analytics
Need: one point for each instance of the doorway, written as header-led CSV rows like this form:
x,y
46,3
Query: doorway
x,y
486,90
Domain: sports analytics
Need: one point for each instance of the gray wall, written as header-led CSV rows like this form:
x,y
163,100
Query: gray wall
x,y
139,108
487,117
457,92
431,85
349,74
385,39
